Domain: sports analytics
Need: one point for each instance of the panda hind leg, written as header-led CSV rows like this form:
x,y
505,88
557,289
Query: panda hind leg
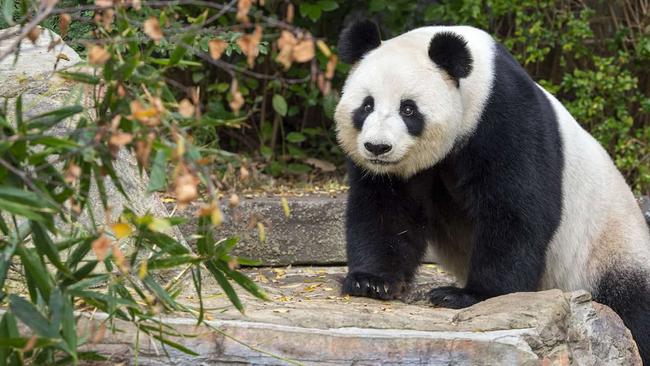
x,y
627,292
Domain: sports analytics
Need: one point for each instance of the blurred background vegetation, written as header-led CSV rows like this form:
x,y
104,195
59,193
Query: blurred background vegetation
x,y
594,55
215,96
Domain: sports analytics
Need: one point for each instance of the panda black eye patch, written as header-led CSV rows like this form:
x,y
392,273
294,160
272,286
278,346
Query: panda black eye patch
x,y
360,114
412,117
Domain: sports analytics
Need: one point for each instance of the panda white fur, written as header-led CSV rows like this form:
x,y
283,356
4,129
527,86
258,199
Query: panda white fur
x,y
452,145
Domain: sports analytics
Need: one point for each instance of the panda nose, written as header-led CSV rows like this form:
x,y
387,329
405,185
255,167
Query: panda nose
x,y
377,149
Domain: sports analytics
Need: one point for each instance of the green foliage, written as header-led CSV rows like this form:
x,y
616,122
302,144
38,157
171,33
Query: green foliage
x,y
594,56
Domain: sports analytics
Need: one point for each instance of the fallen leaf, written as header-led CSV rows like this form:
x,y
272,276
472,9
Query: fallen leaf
x,y
186,188
261,232
285,206
233,201
121,230
243,173
62,56
152,29
100,247
97,55
217,47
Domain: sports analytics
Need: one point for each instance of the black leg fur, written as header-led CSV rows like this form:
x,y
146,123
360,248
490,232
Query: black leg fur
x,y
386,235
628,294
508,176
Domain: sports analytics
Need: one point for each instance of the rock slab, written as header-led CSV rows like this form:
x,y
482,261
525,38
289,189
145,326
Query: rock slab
x,y
307,322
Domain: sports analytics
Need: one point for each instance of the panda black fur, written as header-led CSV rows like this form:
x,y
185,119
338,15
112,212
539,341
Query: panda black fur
x,y
452,145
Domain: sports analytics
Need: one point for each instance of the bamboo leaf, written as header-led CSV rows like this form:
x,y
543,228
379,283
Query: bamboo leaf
x,y
225,285
31,317
49,119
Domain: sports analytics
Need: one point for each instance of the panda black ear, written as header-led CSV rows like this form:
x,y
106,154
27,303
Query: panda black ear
x,y
449,51
357,39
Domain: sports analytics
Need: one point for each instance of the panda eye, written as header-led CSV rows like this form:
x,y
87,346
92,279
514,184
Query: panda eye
x,y
407,110
367,107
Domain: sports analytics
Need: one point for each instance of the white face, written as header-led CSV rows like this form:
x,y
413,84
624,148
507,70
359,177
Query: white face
x,y
398,71
398,112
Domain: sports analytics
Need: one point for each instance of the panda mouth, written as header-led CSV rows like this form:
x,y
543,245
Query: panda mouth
x,y
382,162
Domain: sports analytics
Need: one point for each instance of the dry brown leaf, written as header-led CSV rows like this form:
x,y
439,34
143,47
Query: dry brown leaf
x,y
304,51
104,3
149,116
233,264
186,188
143,150
34,33
331,67
243,7
30,343
286,43
186,108
137,4
97,55
244,173
290,13
64,23
98,335
249,44
119,259
217,47
120,139
152,29
107,18
233,201
237,98
100,247
72,173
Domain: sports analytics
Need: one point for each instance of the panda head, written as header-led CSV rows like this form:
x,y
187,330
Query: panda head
x,y
401,109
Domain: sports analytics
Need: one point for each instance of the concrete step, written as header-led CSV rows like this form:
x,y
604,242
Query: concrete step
x,y
314,234
305,321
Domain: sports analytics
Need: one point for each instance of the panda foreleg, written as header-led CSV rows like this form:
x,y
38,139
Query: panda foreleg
x,y
508,252
384,242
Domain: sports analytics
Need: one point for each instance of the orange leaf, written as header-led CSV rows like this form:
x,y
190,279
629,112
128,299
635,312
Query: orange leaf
x,y
217,47
152,29
243,7
64,23
97,55
304,50
186,188
237,98
100,247
120,139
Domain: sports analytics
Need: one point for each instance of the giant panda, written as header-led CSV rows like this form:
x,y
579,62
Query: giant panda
x,y
452,145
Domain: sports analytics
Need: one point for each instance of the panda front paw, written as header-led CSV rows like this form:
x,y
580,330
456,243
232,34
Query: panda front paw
x,y
369,285
451,297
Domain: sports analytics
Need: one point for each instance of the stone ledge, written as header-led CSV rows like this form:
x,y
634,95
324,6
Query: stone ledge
x,y
306,321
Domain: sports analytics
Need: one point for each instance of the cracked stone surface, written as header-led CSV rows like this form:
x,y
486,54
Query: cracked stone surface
x,y
307,321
